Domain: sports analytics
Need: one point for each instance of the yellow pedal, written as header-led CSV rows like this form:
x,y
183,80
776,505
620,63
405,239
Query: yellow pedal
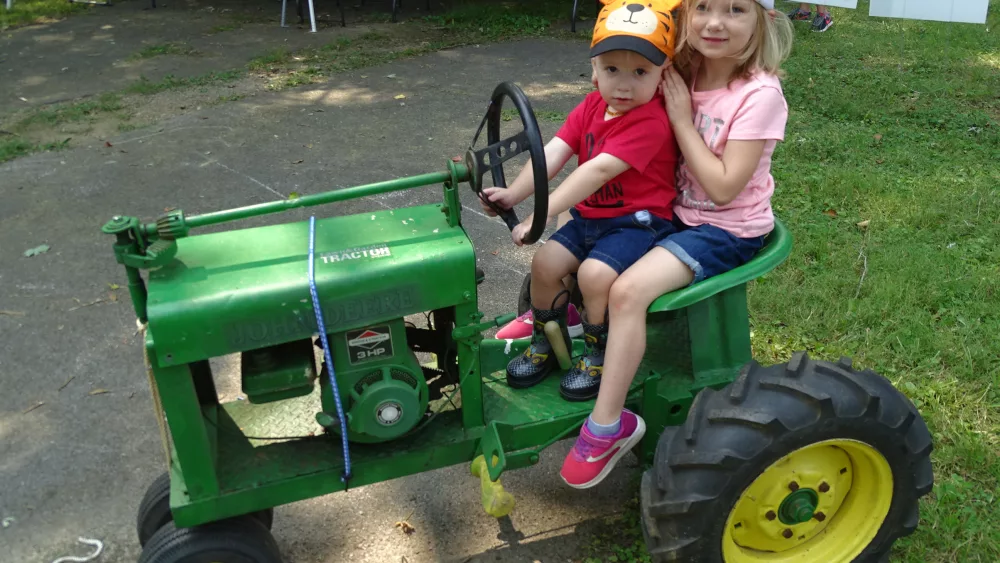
x,y
559,346
496,501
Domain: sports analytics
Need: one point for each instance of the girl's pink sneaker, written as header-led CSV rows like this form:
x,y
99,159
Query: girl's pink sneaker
x,y
593,457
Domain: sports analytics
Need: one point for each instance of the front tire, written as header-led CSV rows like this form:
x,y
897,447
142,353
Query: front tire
x,y
154,510
805,461
235,540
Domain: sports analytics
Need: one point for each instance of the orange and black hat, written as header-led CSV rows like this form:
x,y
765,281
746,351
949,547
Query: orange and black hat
x,y
646,27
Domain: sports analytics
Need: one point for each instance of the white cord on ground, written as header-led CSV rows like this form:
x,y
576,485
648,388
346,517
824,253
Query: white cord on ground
x,y
70,558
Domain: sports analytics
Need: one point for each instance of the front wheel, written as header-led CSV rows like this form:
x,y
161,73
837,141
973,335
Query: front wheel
x,y
154,510
805,461
235,540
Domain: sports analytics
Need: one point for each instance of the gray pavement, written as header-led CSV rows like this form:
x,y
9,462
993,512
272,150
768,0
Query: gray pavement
x,y
95,52
78,465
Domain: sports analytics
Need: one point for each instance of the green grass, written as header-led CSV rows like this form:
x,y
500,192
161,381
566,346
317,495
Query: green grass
x,y
467,24
67,113
164,49
897,123
13,148
283,68
14,145
28,12
169,82
540,115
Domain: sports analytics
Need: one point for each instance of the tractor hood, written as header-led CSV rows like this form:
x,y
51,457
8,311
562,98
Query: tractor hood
x,y
243,289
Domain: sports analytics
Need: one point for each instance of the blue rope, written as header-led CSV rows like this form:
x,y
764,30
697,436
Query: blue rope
x,y
321,326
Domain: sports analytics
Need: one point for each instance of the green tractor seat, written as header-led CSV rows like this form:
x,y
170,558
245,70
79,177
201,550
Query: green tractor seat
x,y
777,247
699,336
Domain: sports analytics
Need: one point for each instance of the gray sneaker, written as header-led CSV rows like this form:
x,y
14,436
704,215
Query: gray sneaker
x,y
822,22
800,15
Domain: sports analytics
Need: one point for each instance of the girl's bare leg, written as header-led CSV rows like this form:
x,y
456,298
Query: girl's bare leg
x,y
656,273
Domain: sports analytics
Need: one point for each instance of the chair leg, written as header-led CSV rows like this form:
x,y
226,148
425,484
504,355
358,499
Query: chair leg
x,y
312,16
343,20
396,4
572,21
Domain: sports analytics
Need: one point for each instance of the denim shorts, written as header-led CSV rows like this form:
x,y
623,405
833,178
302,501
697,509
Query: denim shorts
x,y
709,250
618,242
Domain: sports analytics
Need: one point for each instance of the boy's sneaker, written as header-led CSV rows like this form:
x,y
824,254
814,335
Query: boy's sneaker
x,y
520,327
538,359
583,381
798,14
593,457
822,22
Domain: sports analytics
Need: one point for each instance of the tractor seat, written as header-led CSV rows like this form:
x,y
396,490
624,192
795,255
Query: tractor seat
x,y
776,249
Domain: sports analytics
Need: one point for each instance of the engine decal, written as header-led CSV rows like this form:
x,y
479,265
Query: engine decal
x,y
369,343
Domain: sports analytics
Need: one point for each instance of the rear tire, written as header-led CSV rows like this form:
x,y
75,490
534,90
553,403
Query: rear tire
x,y
708,497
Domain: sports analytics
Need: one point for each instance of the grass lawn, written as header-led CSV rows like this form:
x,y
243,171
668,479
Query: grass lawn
x,y
26,12
895,125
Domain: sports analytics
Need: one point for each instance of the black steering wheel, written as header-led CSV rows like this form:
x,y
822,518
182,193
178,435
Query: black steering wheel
x,y
498,151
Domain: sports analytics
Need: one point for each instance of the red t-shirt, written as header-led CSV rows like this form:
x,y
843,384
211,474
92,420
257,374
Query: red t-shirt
x,y
643,139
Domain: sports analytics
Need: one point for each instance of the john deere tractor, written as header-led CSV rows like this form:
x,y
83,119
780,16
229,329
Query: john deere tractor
x,y
807,461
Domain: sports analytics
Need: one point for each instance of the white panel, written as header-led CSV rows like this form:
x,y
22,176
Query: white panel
x,y
852,4
964,11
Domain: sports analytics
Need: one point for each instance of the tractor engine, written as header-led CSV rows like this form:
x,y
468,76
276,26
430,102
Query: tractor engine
x,y
382,387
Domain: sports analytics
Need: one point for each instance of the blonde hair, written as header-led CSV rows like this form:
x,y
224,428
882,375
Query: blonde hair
x,y
769,46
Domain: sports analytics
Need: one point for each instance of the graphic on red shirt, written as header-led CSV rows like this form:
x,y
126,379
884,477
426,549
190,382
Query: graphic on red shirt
x,y
643,139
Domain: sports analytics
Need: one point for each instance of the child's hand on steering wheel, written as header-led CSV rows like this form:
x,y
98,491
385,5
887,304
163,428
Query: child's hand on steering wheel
x,y
501,197
521,230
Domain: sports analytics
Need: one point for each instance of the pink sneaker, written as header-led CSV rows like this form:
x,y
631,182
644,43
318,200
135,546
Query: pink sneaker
x,y
593,457
521,327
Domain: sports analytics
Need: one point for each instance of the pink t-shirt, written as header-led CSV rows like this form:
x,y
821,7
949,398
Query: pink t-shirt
x,y
748,110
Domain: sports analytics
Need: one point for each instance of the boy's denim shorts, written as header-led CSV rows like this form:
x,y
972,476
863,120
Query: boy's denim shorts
x,y
618,242
709,250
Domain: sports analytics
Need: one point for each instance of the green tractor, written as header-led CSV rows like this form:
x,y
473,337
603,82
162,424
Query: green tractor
x,y
807,461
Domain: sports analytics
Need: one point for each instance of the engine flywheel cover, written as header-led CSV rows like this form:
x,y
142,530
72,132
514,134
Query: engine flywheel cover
x,y
385,409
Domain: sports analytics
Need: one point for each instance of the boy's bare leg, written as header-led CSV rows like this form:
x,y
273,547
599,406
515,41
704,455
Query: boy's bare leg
x,y
551,263
654,274
595,278
561,220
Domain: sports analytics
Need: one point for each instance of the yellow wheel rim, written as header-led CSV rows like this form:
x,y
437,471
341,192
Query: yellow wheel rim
x,y
823,502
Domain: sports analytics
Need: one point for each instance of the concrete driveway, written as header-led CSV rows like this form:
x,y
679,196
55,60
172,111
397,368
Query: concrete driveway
x,y
78,464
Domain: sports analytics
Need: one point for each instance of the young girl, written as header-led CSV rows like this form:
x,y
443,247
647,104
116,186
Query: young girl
x,y
727,125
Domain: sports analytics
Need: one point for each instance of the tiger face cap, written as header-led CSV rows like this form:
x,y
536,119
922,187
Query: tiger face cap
x,y
645,27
